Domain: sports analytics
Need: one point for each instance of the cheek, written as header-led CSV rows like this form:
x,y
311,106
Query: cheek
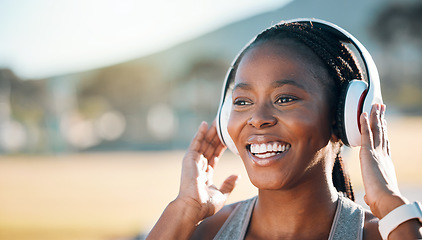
x,y
310,125
315,128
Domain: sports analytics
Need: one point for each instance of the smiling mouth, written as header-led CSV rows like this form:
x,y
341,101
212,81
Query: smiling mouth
x,y
267,150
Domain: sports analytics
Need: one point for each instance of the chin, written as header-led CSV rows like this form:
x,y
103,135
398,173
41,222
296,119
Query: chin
x,y
273,176
266,180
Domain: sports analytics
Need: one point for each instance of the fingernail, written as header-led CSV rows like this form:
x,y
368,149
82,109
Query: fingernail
x,y
238,179
201,124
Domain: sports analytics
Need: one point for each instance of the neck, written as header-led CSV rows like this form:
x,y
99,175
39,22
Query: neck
x,y
294,212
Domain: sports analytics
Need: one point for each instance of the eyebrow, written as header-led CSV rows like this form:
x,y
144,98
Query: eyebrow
x,y
244,86
280,83
276,84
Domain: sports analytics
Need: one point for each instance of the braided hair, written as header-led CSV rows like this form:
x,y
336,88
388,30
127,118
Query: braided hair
x,y
341,65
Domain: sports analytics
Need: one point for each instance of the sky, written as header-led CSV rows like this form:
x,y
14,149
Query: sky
x,y
44,38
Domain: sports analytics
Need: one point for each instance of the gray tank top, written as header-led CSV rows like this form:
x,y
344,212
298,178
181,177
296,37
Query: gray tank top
x,y
347,224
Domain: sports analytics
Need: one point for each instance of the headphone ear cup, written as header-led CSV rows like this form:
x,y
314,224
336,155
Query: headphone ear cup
x,y
222,123
351,103
339,125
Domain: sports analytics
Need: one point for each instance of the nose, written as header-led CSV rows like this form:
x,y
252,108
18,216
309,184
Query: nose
x,y
262,118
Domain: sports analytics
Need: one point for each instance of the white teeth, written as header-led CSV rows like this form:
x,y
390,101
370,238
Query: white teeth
x,y
269,149
263,148
266,155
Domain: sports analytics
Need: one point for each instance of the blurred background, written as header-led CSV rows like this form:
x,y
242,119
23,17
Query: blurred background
x,y
98,100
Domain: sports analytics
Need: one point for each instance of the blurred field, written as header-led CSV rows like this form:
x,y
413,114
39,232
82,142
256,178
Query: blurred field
x,y
118,195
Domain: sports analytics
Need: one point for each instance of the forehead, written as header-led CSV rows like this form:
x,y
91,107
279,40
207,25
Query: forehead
x,y
281,59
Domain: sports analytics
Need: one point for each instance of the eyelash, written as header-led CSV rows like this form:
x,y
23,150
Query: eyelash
x,y
241,102
282,100
285,100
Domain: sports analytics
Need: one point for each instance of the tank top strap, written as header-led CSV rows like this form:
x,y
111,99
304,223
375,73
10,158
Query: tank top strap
x,y
348,221
347,224
237,223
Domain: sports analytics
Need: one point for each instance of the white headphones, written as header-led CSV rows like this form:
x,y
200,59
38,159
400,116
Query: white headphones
x,y
359,95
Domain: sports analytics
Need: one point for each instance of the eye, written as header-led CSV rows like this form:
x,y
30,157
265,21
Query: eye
x,y
283,100
242,102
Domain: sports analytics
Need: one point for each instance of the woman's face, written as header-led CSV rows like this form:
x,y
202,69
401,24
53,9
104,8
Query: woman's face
x,y
281,120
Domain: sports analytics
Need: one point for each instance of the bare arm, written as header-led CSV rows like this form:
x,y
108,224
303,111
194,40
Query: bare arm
x,y
198,197
381,189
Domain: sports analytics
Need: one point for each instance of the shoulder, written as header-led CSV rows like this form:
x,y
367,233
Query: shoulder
x,y
209,227
370,229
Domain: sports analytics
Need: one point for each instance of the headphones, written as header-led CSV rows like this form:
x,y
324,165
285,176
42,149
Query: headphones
x,y
357,97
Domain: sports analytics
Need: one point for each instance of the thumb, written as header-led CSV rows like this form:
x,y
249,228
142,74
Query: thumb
x,y
229,184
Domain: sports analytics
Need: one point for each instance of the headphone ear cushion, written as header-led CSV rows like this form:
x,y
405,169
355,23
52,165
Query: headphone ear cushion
x,y
222,123
350,103
339,125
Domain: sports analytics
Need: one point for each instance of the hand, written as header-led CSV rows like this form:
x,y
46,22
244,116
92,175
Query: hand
x,y
381,189
196,187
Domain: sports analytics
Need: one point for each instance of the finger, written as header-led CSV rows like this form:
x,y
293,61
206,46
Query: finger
x,y
212,142
386,145
202,164
215,151
208,138
229,184
217,154
198,139
204,144
220,147
210,175
375,124
383,125
219,151
385,142
366,137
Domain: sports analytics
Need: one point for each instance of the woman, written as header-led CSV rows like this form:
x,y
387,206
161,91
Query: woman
x,y
283,123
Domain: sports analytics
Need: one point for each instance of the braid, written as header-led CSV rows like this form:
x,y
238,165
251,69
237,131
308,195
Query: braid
x,y
341,65
341,180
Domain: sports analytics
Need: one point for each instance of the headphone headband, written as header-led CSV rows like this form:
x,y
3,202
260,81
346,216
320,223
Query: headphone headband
x,y
374,87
